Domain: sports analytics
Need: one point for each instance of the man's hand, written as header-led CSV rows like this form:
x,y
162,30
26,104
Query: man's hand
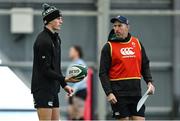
x,y
69,90
151,88
71,79
111,98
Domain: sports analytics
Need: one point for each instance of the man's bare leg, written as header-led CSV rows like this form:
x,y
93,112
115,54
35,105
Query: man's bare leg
x,y
79,107
44,113
139,118
55,114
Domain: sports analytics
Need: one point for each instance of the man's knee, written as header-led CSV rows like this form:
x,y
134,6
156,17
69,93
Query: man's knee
x,y
44,113
55,114
140,118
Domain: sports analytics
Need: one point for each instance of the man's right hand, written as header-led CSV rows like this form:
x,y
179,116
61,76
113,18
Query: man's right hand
x,y
71,79
111,98
69,90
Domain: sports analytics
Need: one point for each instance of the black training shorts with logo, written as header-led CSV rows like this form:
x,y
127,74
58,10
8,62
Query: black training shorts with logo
x,y
126,107
45,99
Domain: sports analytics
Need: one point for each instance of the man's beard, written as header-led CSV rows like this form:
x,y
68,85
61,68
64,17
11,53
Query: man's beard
x,y
119,35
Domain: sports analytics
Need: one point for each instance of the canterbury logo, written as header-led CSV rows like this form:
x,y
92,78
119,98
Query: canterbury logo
x,y
127,51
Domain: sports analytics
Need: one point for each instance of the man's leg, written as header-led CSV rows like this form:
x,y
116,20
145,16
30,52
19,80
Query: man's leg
x,y
44,113
71,112
120,109
44,103
79,107
55,109
140,115
139,118
70,108
55,114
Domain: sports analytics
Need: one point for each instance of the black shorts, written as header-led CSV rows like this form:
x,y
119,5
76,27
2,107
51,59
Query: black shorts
x,y
81,94
70,100
126,107
44,99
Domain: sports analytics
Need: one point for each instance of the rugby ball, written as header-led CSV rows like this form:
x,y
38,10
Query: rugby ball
x,y
77,71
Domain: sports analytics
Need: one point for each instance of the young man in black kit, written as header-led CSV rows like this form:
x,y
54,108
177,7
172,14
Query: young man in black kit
x,y
47,76
123,62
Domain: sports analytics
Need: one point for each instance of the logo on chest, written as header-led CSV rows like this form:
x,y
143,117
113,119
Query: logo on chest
x,y
127,52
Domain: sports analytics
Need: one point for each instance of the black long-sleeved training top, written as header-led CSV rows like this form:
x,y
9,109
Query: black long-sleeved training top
x,y
47,73
130,87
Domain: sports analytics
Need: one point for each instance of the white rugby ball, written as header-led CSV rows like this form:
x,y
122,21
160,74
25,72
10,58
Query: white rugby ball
x,y
77,71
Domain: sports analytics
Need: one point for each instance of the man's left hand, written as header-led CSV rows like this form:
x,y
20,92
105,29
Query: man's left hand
x,y
151,88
